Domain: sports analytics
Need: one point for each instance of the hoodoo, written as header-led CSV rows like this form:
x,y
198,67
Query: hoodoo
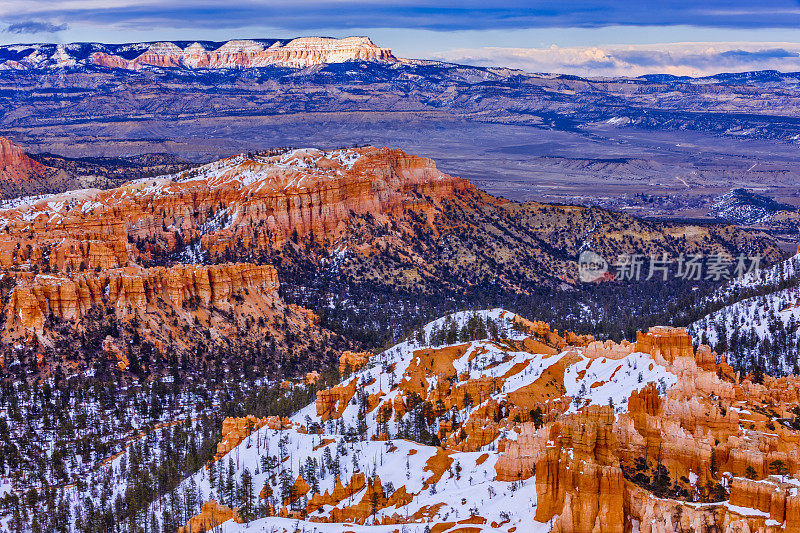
x,y
535,432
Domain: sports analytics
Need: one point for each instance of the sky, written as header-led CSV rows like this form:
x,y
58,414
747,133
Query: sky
x,y
583,37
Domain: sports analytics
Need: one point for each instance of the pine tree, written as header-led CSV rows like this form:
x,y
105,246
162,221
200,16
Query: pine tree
x,y
310,474
778,468
190,498
246,497
230,489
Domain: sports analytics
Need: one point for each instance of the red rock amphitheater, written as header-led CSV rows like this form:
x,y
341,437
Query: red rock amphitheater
x,y
71,253
540,434
257,201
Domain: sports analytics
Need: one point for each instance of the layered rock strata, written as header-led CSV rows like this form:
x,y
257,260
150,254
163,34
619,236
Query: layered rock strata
x,y
256,202
132,289
237,54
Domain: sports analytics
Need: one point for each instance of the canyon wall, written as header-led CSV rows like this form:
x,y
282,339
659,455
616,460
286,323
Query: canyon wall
x,y
132,289
256,202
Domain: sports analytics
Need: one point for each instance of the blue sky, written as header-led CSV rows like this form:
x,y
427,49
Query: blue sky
x,y
586,37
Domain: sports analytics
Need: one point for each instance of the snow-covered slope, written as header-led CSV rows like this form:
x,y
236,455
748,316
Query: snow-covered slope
x,y
414,437
757,319
741,206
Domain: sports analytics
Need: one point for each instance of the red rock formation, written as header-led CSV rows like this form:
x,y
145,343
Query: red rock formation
x,y
373,500
211,515
234,431
15,166
132,289
608,349
353,360
258,203
645,401
299,489
665,342
331,403
579,477
298,53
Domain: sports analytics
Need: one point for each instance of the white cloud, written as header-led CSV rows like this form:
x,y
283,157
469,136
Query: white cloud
x,y
680,59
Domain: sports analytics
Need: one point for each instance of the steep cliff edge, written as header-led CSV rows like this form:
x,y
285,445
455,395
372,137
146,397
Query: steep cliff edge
x,y
22,175
139,318
368,224
15,165
236,204
130,290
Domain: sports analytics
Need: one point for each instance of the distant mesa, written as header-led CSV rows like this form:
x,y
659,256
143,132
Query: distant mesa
x,y
235,54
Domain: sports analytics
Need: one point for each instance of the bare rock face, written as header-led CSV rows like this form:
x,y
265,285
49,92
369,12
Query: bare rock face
x,y
132,290
579,479
609,349
234,431
769,496
211,515
21,175
331,403
665,342
353,360
257,202
15,165
297,53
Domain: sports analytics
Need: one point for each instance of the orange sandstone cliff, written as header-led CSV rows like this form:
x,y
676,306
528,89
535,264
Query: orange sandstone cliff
x,y
74,257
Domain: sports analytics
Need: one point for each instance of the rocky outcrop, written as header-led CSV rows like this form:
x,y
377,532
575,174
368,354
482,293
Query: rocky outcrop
x,y
21,175
353,360
256,202
768,509
665,343
579,477
132,290
15,166
766,496
608,349
234,431
238,54
331,403
211,515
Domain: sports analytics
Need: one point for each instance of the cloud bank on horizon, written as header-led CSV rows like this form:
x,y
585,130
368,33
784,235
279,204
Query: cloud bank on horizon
x,y
436,24
678,59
